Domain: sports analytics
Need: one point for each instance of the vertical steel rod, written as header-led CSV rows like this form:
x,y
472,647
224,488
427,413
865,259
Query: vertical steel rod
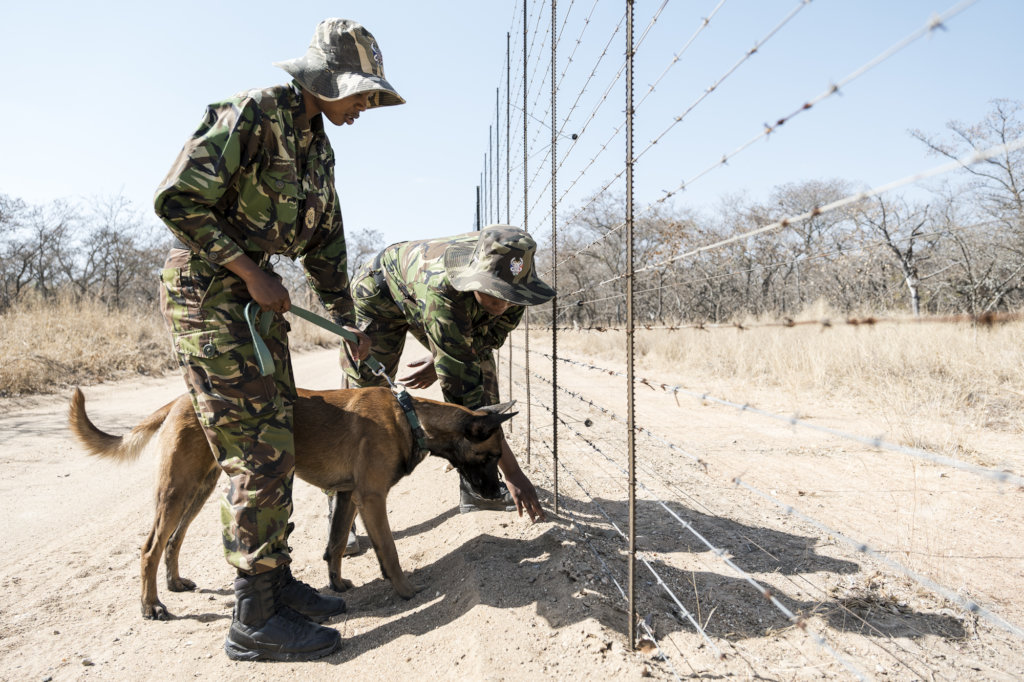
x,y
631,414
490,174
497,162
508,128
526,226
508,167
554,250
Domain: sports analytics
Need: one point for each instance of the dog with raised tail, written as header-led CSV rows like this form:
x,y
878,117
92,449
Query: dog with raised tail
x,y
355,442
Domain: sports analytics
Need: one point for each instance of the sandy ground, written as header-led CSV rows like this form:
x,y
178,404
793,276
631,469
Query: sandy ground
x,y
507,599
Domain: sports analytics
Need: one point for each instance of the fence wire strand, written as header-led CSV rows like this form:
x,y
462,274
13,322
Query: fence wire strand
x,y
968,605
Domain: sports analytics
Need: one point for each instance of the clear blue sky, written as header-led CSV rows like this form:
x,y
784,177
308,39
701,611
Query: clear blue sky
x,y
98,97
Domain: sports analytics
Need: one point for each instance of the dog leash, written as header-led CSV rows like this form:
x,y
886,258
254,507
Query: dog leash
x,y
266,361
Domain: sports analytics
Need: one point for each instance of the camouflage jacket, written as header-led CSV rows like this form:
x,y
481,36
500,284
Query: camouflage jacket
x,y
456,329
257,177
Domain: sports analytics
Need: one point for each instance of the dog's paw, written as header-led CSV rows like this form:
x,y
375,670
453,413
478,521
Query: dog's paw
x,y
339,584
155,611
408,589
180,585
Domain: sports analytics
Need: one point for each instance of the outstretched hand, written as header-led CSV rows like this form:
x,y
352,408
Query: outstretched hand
x,y
525,496
422,377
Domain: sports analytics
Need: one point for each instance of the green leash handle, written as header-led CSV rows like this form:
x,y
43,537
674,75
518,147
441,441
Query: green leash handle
x,y
263,357
266,363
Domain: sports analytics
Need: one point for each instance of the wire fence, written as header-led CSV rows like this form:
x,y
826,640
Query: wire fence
x,y
567,94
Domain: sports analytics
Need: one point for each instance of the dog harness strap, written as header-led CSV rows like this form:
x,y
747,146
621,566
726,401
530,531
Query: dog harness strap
x,y
405,402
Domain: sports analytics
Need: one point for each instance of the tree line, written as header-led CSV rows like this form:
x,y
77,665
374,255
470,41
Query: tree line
x,y
105,249
958,250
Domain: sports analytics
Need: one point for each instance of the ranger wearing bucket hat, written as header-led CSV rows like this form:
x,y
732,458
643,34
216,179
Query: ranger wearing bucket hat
x,y
255,180
460,297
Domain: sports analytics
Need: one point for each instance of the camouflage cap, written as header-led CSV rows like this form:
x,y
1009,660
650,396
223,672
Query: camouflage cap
x,y
343,59
500,264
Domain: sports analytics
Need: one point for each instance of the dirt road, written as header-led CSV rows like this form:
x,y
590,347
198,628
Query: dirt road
x,y
506,599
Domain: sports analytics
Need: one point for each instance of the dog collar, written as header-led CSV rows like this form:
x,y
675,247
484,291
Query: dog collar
x,y
405,402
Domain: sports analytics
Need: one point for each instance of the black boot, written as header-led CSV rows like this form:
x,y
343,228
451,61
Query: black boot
x,y
264,629
471,500
300,597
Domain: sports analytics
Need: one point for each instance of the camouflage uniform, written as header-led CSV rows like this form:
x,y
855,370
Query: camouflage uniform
x,y
407,288
257,177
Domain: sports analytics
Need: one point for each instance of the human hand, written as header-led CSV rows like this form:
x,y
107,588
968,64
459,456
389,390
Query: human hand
x,y
360,348
525,496
268,291
422,377
265,289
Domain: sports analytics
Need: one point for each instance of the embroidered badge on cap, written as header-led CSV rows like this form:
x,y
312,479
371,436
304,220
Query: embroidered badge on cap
x,y
376,53
516,266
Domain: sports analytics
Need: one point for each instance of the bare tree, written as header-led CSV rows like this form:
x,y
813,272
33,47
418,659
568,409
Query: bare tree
x,y
900,226
990,263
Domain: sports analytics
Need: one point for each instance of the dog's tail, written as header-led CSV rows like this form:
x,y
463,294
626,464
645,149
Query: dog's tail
x,y
124,448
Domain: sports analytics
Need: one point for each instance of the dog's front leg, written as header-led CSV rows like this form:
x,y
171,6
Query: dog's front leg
x,y
343,513
375,518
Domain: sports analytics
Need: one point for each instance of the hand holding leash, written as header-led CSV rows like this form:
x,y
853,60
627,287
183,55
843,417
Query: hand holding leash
x,y
358,342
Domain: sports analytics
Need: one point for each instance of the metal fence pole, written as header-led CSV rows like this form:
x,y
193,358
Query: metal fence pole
x,y
554,250
490,174
526,223
508,167
631,414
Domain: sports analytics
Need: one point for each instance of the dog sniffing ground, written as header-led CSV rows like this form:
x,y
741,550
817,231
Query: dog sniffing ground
x,y
504,599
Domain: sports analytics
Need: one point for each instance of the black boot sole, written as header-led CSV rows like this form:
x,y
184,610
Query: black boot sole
x,y
238,653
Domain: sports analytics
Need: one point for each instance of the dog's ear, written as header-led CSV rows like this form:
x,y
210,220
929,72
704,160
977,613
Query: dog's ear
x,y
480,427
500,408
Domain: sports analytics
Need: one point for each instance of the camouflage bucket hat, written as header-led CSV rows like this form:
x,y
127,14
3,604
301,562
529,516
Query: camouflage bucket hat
x,y
343,59
500,264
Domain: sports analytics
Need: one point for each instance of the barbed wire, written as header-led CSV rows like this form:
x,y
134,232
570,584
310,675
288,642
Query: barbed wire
x,y
794,619
639,429
802,258
833,89
639,42
607,568
978,320
707,91
543,118
877,442
583,89
533,41
643,559
811,586
618,75
600,103
967,604
962,162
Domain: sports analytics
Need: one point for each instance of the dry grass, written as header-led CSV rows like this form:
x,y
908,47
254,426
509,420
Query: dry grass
x,y
957,373
48,346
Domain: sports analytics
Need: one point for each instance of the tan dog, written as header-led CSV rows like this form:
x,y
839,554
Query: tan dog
x,y
356,442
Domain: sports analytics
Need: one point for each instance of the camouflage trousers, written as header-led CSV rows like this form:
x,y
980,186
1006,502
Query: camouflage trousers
x,y
247,417
383,321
